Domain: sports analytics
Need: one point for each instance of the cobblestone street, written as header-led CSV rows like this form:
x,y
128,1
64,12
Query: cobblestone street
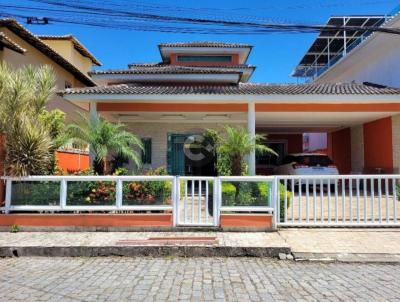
x,y
194,279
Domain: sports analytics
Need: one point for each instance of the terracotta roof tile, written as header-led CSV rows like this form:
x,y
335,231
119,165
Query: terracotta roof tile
x,y
7,42
241,89
167,69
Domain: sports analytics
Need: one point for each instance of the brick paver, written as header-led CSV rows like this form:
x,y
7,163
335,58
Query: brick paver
x,y
194,279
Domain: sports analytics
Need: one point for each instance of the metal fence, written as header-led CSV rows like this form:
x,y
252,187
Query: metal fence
x,y
336,200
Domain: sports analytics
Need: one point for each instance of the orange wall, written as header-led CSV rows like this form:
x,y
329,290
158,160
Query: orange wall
x,y
295,141
70,162
378,147
339,149
234,61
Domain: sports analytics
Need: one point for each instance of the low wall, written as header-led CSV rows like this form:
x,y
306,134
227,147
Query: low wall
x,y
87,220
251,222
70,161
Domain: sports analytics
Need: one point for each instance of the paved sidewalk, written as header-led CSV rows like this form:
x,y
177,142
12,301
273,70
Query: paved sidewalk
x,y
377,245
142,244
344,244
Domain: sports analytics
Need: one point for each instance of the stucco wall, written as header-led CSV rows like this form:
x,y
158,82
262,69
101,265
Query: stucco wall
x,y
357,149
396,143
378,148
339,149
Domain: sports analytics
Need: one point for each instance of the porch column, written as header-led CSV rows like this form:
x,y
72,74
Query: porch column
x,y
92,116
251,126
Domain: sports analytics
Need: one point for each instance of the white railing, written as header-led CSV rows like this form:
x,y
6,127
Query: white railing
x,y
338,200
313,200
115,184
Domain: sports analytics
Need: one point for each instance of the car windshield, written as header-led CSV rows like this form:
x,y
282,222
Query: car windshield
x,y
310,160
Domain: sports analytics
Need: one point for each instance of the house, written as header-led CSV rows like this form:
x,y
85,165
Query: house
x,y
367,57
70,61
203,85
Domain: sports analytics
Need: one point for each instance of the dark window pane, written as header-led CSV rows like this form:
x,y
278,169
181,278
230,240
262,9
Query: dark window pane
x,y
146,153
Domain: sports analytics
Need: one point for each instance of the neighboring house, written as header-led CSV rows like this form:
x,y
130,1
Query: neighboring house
x,y
201,85
314,142
357,57
70,60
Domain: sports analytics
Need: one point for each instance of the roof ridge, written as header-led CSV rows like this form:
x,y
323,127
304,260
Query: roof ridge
x,y
77,44
69,66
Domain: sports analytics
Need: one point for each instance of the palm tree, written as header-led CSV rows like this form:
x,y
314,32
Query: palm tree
x,y
24,94
236,143
104,138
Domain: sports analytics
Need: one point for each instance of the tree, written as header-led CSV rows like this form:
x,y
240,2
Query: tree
x,y
104,138
236,143
24,94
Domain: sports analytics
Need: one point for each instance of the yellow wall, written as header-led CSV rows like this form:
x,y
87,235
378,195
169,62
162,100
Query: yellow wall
x,y
67,50
34,57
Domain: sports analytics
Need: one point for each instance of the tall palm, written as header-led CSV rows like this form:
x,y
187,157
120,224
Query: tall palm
x,y
24,94
236,143
104,138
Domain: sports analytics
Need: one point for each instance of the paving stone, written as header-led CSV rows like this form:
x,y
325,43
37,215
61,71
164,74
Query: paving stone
x,y
171,279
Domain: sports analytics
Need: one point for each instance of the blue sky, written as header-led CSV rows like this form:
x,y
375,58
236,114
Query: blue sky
x,y
275,55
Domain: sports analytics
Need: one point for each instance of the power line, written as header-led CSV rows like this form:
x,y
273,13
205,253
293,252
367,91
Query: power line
x,y
148,18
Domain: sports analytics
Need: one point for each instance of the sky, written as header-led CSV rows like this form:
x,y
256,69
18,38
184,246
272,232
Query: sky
x,y
275,55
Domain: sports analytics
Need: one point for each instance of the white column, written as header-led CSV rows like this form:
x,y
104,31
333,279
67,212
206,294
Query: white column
x,y
93,110
92,116
251,126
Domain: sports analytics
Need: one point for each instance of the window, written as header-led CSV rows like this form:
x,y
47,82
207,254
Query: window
x,y
269,159
146,153
67,85
204,58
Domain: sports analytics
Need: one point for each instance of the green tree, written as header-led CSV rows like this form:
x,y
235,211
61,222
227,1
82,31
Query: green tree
x,y
234,144
24,94
104,138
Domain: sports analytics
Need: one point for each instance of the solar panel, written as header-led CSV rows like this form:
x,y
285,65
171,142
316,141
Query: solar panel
x,y
332,42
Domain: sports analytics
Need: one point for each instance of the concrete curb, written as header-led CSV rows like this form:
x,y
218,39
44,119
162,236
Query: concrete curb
x,y
140,251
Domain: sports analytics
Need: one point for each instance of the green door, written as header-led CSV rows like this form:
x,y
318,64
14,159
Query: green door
x,y
175,154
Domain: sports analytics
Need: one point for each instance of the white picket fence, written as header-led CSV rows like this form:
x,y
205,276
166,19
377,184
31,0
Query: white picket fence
x,y
298,201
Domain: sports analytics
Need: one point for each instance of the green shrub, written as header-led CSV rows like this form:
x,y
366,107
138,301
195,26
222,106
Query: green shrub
x,y
15,228
148,192
252,194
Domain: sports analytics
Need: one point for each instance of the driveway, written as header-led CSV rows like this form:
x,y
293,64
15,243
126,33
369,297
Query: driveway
x,y
365,244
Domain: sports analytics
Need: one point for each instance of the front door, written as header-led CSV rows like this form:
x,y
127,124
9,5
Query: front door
x,y
175,154
189,155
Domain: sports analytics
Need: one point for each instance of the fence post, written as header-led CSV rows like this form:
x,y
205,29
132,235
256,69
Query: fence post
x,y
63,194
216,201
175,200
275,202
8,196
118,194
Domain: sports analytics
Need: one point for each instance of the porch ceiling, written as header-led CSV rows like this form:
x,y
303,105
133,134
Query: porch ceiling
x,y
288,122
299,122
